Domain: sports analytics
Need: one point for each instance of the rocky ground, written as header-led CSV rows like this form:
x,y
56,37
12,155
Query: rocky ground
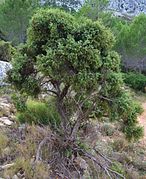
x,y
129,7
7,111
111,143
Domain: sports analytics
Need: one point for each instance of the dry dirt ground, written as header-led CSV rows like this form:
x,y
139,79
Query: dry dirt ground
x,y
142,119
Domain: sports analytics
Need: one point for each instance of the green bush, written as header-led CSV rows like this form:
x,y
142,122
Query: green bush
x,y
136,81
6,51
39,113
116,166
19,102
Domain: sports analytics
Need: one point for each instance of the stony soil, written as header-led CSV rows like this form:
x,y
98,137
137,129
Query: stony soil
x,y
142,119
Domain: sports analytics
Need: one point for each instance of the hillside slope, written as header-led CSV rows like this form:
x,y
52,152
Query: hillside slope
x,y
129,7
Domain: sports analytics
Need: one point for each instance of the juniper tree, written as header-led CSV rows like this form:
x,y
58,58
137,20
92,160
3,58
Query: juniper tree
x,y
75,59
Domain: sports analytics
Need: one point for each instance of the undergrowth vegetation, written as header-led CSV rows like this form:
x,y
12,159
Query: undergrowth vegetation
x,y
21,149
6,51
135,80
39,113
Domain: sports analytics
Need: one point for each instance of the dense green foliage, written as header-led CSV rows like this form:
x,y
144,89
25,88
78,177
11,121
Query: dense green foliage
x,y
6,51
15,16
136,81
130,34
76,57
2,36
39,113
35,111
131,40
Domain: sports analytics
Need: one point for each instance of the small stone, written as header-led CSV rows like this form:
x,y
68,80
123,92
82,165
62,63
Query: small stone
x,y
6,121
82,163
1,124
15,177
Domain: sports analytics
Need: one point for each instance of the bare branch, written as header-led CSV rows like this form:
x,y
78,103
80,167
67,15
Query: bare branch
x,y
105,168
51,91
64,92
104,157
7,166
43,142
105,98
81,116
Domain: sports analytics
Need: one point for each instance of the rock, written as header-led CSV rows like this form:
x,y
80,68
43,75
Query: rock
x,y
7,111
129,7
4,67
6,107
2,125
6,121
126,7
15,177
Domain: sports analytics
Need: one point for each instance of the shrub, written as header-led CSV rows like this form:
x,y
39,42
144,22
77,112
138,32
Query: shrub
x,y
136,81
107,129
19,102
118,167
6,50
39,113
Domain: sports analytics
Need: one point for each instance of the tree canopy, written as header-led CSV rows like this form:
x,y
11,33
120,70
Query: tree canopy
x,y
77,60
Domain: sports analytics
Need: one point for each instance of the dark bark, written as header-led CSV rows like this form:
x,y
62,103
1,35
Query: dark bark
x,y
62,109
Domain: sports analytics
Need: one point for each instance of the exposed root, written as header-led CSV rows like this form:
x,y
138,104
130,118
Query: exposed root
x,y
105,168
63,166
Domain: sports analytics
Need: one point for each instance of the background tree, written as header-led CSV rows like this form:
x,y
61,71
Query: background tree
x,y
94,9
14,18
2,36
131,42
75,60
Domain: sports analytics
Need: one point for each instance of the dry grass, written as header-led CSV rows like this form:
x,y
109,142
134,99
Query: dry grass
x,y
23,144
3,143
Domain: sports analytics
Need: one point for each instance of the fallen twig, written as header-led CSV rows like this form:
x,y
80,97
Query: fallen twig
x,y
104,157
7,166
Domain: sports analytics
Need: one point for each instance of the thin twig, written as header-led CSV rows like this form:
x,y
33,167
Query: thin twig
x,y
103,156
